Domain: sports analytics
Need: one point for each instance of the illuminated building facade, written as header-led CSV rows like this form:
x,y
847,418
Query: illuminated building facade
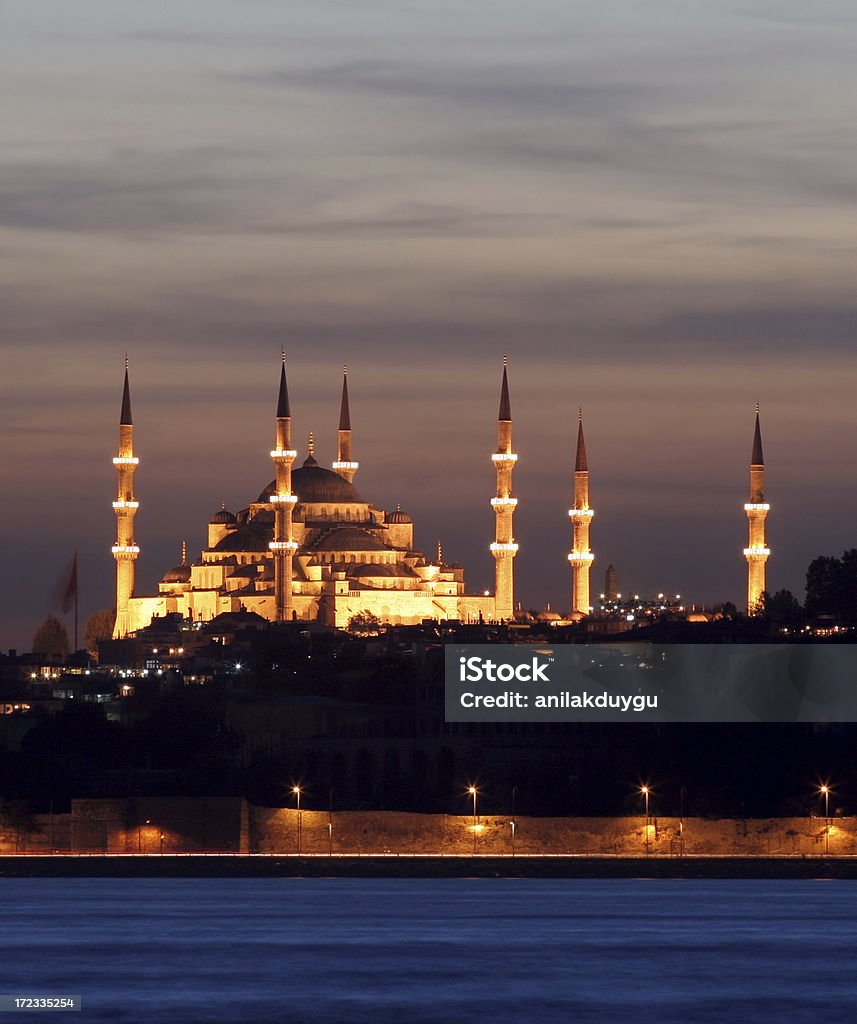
x,y
310,547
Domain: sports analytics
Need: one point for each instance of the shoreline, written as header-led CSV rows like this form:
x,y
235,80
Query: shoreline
x,y
338,865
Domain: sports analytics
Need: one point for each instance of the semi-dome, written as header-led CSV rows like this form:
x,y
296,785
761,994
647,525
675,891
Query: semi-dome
x,y
245,538
314,485
349,538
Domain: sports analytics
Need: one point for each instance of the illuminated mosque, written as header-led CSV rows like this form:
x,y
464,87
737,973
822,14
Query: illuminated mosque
x,y
311,548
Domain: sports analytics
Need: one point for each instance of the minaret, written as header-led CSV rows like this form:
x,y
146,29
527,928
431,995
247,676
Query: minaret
x,y
125,549
611,583
282,546
581,558
504,547
757,551
344,464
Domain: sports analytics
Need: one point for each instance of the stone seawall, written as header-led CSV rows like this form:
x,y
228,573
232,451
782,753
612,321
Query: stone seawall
x,y
230,825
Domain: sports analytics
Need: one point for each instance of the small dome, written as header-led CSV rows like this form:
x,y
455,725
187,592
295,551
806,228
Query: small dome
x,y
399,516
222,516
180,574
349,538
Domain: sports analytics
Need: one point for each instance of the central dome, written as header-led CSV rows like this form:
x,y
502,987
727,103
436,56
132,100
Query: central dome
x,y
315,485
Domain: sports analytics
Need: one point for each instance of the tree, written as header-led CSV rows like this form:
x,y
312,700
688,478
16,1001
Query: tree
x,y
831,586
726,610
364,624
51,639
98,627
782,608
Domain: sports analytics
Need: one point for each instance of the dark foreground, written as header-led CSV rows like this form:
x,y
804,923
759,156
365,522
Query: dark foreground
x,y
417,866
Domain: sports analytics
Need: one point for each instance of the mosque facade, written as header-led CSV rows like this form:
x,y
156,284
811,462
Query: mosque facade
x,y
309,547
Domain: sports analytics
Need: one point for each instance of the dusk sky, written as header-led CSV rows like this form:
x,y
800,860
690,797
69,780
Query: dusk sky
x,y
650,206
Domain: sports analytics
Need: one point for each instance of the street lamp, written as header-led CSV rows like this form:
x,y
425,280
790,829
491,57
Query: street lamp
x,y
513,824
825,790
472,790
644,792
297,791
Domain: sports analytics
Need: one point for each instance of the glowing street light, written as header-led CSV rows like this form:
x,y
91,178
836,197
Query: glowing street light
x,y
644,792
474,792
825,791
297,791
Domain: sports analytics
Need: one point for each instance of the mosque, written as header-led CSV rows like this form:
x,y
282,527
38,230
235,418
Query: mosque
x,y
311,548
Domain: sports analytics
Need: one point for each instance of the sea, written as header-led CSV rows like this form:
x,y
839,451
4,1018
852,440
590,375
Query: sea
x,y
414,951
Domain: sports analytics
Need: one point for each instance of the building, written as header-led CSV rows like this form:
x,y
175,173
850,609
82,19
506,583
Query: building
x,y
310,546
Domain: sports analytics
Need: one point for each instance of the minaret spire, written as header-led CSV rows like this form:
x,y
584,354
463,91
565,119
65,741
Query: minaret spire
x,y
283,409
504,547
125,550
580,558
345,465
283,547
757,551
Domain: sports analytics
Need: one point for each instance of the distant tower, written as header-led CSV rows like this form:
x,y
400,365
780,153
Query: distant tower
x,y
581,558
504,547
282,546
344,464
125,549
757,551
611,583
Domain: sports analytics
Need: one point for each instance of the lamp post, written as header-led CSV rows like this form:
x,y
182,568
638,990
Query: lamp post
x,y
825,791
472,790
644,792
297,791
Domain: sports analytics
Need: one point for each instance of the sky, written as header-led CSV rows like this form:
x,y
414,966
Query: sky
x,y
648,205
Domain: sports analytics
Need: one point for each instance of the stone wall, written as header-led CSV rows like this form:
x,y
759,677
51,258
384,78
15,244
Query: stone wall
x,y
177,825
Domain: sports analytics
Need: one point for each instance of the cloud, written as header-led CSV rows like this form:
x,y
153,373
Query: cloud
x,y
548,87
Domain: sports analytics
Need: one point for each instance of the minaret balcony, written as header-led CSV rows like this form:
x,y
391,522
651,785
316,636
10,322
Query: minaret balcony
x,y
283,545
128,550
757,506
581,557
504,502
583,514
284,455
283,499
504,457
126,504
757,551
345,465
499,549
126,460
